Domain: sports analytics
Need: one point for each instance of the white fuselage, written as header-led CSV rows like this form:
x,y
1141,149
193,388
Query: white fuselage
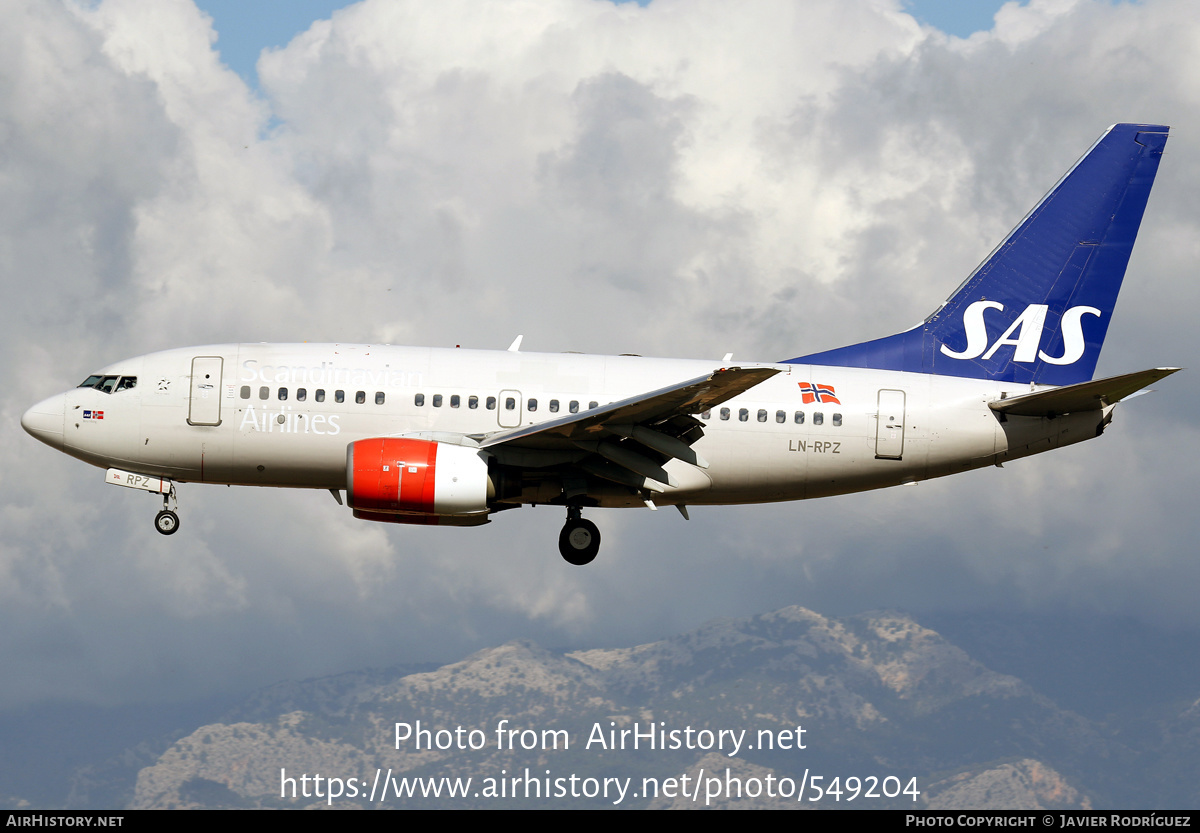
x,y
284,414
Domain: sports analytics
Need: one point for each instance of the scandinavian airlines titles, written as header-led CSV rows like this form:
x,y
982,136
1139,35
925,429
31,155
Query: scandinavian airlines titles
x,y
284,421
327,373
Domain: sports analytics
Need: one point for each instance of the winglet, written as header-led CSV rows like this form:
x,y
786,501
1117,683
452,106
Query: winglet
x,y
515,347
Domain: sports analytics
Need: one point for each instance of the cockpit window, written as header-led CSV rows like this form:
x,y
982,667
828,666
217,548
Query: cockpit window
x,y
109,384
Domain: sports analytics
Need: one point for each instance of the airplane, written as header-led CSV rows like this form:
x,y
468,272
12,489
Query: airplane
x,y
413,435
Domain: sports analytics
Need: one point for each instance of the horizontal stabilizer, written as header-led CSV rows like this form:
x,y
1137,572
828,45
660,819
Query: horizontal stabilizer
x,y
1085,396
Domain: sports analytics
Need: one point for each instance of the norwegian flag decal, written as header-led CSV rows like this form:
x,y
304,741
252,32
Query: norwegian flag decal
x,y
821,394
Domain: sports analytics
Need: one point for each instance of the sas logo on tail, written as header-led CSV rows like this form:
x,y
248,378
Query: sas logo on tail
x,y
821,394
1030,325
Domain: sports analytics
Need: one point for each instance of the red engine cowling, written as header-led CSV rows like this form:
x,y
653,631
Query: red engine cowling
x,y
415,477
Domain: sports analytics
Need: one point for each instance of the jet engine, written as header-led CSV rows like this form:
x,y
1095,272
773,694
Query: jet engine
x,y
417,481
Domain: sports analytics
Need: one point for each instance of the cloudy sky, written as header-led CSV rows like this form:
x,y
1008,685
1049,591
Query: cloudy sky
x,y
684,178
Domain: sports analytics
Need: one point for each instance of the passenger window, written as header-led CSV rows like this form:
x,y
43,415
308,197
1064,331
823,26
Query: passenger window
x,y
531,404
781,416
245,391
837,420
706,414
593,405
419,400
724,413
264,392
455,401
743,414
799,417
379,397
510,404
301,394
554,406
320,394
282,394
574,406
339,396
762,414
473,402
818,418
491,403
360,397
437,400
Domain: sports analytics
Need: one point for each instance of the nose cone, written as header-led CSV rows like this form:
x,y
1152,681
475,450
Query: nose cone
x,y
45,420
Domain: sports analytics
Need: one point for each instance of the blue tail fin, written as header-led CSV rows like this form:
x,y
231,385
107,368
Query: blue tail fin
x,y
1038,308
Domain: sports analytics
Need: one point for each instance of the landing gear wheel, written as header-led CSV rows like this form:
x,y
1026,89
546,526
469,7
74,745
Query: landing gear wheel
x,y
166,522
579,541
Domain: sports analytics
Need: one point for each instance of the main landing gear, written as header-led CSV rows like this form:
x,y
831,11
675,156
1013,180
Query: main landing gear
x,y
579,540
166,521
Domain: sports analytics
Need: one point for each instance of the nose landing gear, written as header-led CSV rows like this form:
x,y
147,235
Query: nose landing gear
x,y
167,521
579,540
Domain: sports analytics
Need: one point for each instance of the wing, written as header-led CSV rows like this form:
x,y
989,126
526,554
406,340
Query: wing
x,y
689,397
627,442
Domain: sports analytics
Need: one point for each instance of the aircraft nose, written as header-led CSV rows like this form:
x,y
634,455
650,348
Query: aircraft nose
x,y
45,420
